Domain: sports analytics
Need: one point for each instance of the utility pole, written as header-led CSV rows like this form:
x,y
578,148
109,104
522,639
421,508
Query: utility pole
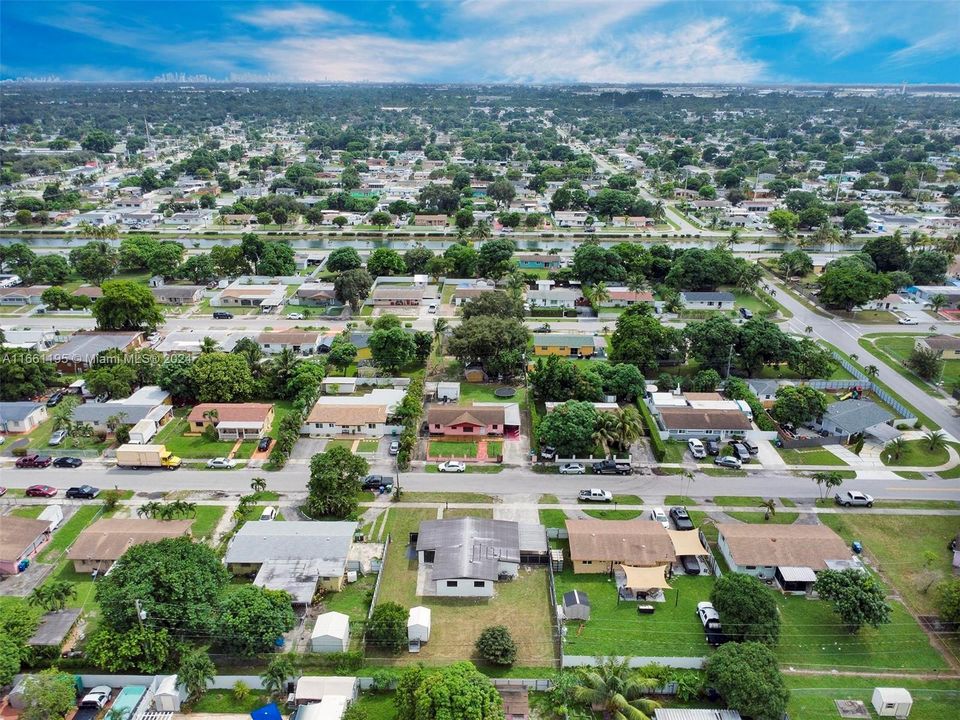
x,y
140,613
729,360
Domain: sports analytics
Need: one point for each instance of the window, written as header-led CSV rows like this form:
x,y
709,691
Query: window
x,y
451,583
479,583
371,426
467,428
751,567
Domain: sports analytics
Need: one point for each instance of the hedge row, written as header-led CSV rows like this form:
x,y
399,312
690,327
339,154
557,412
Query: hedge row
x,y
656,442
411,410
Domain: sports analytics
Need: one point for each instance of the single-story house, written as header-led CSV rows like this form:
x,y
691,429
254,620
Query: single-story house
x,y
464,557
568,345
389,296
20,539
178,294
430,220
21,417
463,294
302,342
707,300
189,341
77,353
331,633
457,420
893,301
596,546
765,390
538,261
91,291
928,292
297,557
233,421
37,339
22,295
850,417
267,297
354,414
686,422
315,295
623,297
789,554
947,345
554,297
570,218
634,221
100,415
101,544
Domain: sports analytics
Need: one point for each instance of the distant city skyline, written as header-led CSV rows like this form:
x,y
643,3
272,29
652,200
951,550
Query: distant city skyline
x,y
485,41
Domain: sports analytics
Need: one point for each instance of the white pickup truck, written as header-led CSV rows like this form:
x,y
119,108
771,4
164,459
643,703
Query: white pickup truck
x,y
595,495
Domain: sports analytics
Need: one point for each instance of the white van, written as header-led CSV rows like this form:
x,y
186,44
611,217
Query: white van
x,y
268,514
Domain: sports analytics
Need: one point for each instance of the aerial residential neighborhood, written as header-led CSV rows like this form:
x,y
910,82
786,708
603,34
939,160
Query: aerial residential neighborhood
x,y
427,361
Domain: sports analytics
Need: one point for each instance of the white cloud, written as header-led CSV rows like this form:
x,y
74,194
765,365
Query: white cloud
x,y
292,17
936,45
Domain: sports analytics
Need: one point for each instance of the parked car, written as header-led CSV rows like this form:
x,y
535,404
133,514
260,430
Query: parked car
x,y
96,698
84,492
57,437
54,399
595,495
547,452
745,313
660,516
853,497
545,328
183,227
611,467
264,443
268,514
375,482
432,307
67,462
394,447
690,564
34,461
727,461
221,463
572,469
751,446
294,316
708,614
220,315
696,448
40,491
906,320
681,518
713,447
741,452
454,466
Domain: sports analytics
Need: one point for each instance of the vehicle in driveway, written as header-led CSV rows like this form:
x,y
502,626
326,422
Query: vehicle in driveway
x,y
54,399
751,446
710,619
741,451
713,447
56,438
746,313
690,564
658,515
595,495
696,448
681,519
907,320
394,447
853,498
40,491
268,514
375,482
97,698
572,469
83,492
221,463
453,466
727,461
264,443
34,461
67,462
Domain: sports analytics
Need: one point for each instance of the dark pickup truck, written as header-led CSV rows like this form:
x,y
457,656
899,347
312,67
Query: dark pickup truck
x,y
375,482
609,467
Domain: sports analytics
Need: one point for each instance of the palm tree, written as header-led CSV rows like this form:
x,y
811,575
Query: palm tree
x,y
872,371
258,484
277,673
938,301
808,329
605,431
734,236
600,294
209,345
150,509
440,326
516,283
629,426
481,231
659,211
769,508
895,448
196,672
636,283
749,277
935,440
53,595
284,367
616,690
854,357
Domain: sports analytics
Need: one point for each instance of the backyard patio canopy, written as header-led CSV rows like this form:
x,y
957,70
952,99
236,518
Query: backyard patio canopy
x,y
687,542
643,578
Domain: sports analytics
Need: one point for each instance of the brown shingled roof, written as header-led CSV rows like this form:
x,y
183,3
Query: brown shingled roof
x,y
17,533
348,414
641,543
232,412
454,415
783,545
687,418
109,538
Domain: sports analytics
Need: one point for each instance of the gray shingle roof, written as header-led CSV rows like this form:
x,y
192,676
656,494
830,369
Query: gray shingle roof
x,y
469,547
855,416
16,411
97,413
707,296
324,543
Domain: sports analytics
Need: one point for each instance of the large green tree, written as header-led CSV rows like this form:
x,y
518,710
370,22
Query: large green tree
x,y
98,141
251,619
498,344
848,282
222,377
48,695
809,360
392,349
748,677
798,404
353,287
95,261
341,259
137,650
569,428
387,628
747,607
712,342
760,343
24,374
126,305
556,379
494,260
857,597
384,261
178,583
334,484
457,691
643,341
462,260
495,304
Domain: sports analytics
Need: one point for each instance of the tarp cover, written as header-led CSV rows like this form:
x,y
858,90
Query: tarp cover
x,y
267,712
687,542
642,578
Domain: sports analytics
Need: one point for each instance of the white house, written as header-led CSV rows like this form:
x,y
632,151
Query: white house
x,y
707,300
570,218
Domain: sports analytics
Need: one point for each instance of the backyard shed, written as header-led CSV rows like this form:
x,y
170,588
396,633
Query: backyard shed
x,y
52,514
892,702
331,633
418,624
576,605
448,391
168,695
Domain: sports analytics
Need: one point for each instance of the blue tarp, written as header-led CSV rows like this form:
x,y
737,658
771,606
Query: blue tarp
x,y
267,712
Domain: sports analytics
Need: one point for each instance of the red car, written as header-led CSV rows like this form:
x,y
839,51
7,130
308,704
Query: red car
x,y
41,491
34,461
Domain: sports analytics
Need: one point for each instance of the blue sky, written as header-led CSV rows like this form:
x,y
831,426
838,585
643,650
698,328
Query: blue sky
x,y
539,41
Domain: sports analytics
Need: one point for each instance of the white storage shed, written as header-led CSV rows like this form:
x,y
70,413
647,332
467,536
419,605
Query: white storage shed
x,y
331,633
52,514
168,695
418,624
892,702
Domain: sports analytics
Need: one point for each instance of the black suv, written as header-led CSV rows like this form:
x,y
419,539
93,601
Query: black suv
x,y
220,315
375,482
264,443
680,518
54,399
609,467
67,462
84,492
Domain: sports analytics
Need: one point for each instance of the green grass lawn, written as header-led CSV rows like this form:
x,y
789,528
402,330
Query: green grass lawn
x,y
223,701
553,518
368,446
520,604
28,511
353,600
549,499
614,514
812,696
722,472
781,518
347,444
675,451
197,446
494,448
64,537
628,499
206,519
811,456
679,500
916,454
39,440
486,513
900,348
452,449
483,392
377,706
454,497
617,629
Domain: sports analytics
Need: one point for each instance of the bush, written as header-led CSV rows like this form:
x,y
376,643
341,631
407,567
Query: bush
x,y
657,443
496,646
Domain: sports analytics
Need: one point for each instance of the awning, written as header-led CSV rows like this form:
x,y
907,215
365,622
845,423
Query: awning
x,y
882,431
687,542
797,574
642,578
